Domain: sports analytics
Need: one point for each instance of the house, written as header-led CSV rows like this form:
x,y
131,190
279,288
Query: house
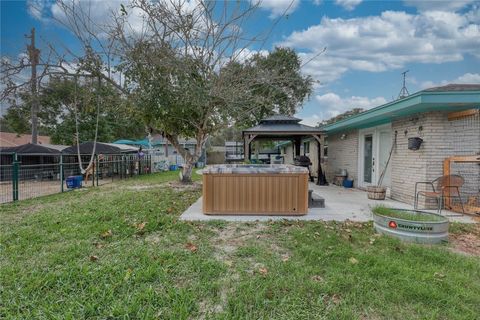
x,y
160,148
11,139
446,119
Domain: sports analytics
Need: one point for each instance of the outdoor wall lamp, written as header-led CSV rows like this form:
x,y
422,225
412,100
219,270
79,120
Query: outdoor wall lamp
x,y
343,136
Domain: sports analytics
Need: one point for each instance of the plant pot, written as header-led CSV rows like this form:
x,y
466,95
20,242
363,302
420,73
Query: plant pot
x,y
427,232
414,143
376,193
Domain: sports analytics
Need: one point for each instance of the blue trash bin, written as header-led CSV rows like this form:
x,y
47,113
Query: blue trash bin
x,y
74,182
348,183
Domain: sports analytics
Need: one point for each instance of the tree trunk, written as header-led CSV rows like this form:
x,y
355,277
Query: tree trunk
x,y
190,159
187,172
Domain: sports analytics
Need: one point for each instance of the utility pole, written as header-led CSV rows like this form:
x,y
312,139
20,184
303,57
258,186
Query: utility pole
x,y
34,56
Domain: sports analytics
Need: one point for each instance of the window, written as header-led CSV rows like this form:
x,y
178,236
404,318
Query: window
x,y
306,147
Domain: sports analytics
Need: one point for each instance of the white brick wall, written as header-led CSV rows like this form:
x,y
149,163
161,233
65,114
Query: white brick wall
x,y
442,139
343,154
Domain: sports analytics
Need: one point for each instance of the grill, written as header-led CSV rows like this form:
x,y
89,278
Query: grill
x,y
304,161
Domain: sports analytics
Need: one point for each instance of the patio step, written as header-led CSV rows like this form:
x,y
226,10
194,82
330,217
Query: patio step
x,y
315,201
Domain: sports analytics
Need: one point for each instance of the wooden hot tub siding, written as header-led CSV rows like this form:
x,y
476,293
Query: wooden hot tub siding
x,y
263,194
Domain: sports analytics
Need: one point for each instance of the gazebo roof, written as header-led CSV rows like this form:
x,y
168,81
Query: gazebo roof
x,y
280,118
282,125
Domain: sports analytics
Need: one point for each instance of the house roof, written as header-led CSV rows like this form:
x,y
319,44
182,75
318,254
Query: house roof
x,y
454,87
452,97
11,139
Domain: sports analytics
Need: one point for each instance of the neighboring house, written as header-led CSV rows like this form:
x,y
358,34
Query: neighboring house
x,y
447,118
161,148
9,139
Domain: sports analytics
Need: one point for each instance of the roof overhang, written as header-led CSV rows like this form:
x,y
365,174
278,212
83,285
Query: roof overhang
x,y
419,102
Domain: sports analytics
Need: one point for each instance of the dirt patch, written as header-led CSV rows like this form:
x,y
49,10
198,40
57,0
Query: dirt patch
x,y
230,238
141,187
178,186
466,243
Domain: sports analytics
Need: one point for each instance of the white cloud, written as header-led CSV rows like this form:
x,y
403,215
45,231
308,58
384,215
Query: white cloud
x,y
467,78
331,104
348,4
279,7
389,41
440,5
312,120
244,54
36,8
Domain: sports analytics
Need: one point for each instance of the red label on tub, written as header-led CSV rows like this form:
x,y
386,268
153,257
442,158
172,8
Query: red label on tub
x,y
392,224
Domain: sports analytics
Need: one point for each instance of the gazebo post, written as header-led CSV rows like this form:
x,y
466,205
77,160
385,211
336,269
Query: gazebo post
x,y
321,181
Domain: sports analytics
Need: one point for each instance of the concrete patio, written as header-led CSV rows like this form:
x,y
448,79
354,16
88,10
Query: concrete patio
x,y
340,204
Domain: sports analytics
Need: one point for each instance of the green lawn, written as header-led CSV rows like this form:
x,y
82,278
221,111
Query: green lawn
x,y
119,251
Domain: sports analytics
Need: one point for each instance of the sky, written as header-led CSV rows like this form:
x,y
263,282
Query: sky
x,y
368,44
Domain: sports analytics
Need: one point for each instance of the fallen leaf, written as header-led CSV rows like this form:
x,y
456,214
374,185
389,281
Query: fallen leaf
x,y
285,258
128,274
98,245
190,246
439,275
348,230
263,271
258,236
106,234
93,258
317,278
353,260
372,240
336,298
170,210
140,226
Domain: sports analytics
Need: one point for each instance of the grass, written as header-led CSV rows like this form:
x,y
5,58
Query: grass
x,y
120,251
407,215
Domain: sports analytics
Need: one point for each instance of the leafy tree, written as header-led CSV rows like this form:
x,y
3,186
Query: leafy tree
x,y
341,116
58,98
278,85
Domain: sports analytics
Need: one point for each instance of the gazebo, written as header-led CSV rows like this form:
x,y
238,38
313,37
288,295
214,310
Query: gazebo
x,y
282,127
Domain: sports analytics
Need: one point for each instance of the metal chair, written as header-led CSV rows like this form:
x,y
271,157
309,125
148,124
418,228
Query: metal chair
x,y
450,183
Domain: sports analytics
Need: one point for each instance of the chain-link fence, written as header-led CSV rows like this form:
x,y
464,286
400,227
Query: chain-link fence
x,y
25,176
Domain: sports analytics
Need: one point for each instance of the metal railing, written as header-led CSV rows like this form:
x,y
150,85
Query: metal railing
x,y
25,176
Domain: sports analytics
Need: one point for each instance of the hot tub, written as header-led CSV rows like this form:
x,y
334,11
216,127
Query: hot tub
x,y
238,189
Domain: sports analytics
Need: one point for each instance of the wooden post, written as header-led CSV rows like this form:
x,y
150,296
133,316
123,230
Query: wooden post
x,y
298,142
321,180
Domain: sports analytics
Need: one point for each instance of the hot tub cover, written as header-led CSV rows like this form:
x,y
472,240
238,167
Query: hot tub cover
x,y
253,168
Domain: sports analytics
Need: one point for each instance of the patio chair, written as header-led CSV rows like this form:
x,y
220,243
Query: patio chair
x,y
450,183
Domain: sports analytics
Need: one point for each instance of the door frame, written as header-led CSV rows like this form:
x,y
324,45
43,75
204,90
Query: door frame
x,y
375,132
